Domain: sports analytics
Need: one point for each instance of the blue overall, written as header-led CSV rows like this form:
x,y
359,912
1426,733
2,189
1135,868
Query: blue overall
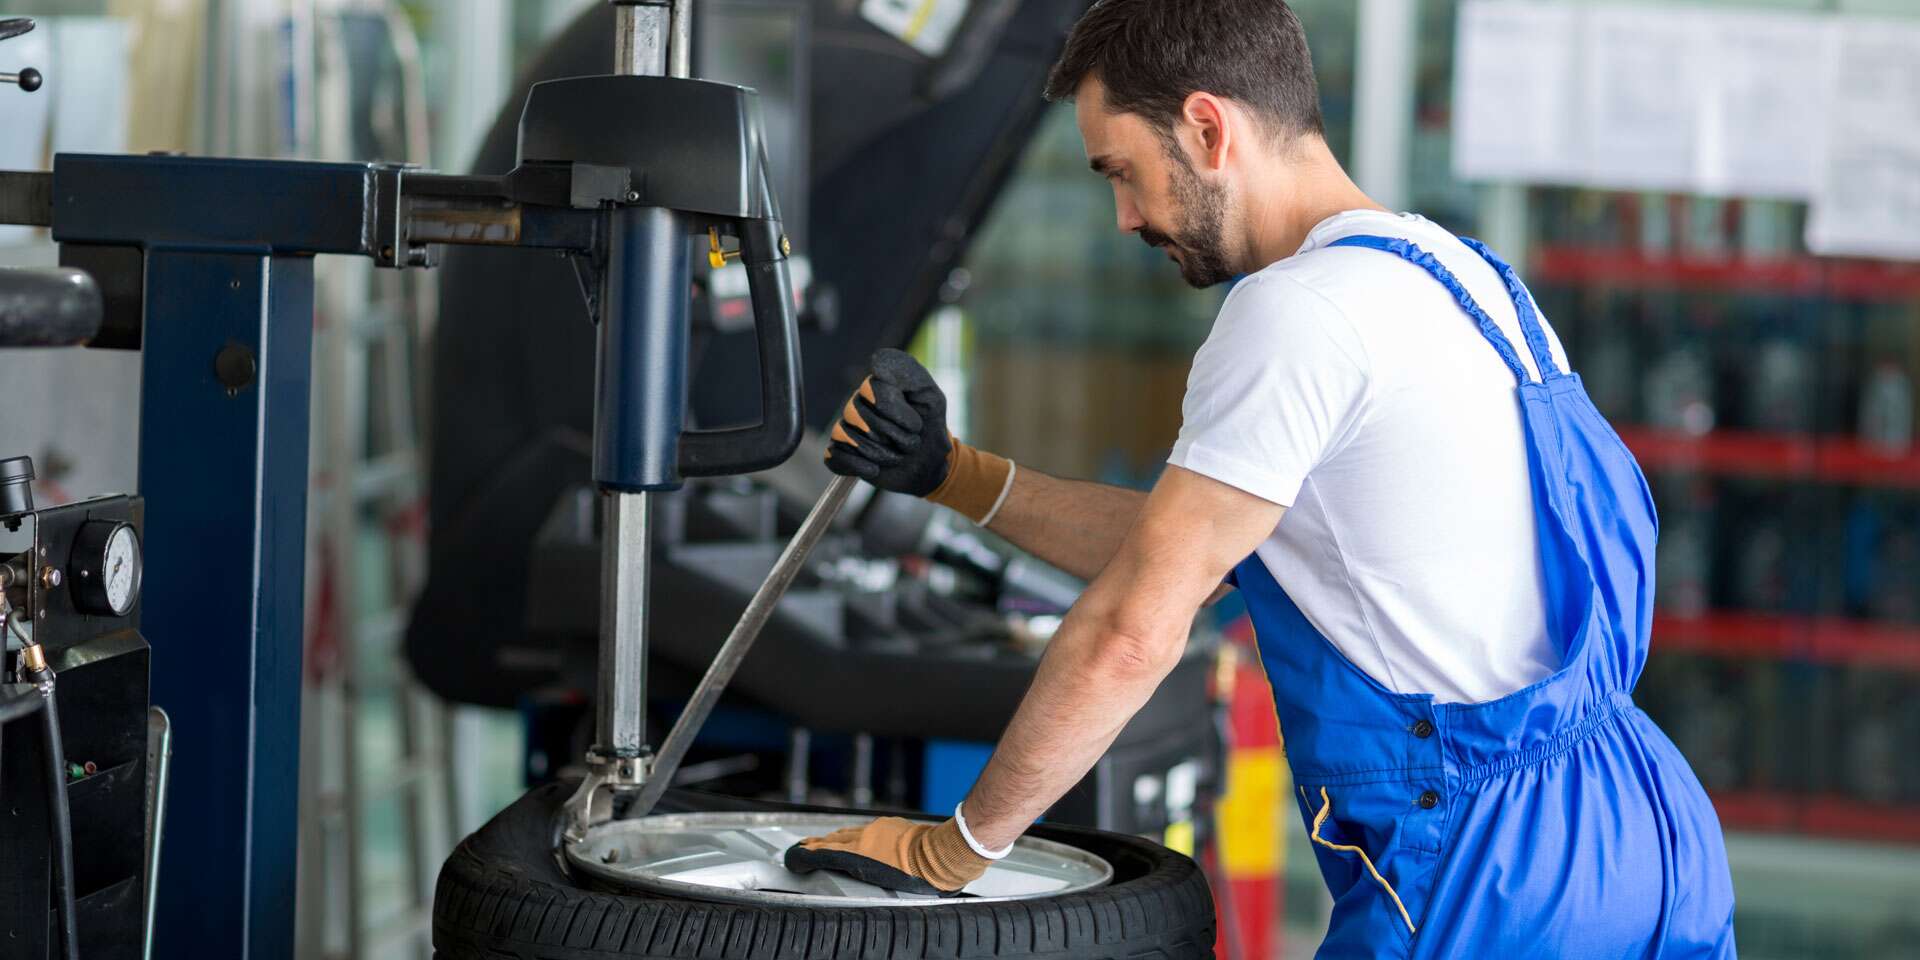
x,y
1556,821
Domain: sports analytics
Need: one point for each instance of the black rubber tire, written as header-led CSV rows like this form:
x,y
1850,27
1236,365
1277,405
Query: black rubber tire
x,y
503,895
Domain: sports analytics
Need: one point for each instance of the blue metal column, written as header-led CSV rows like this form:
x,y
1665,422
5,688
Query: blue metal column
x,y
223,465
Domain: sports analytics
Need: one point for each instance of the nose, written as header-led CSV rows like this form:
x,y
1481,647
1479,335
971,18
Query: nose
x,y
1127,216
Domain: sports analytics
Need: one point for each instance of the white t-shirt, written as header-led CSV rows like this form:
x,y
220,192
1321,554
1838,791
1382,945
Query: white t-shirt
x,y
1347,385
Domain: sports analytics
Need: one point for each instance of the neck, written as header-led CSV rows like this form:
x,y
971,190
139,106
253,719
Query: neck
x,y
1308,187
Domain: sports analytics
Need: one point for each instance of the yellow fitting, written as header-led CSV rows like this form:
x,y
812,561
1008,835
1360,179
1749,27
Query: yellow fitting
x,y
717,257
34,656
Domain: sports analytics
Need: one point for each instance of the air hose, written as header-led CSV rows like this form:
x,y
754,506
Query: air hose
x,y
61,827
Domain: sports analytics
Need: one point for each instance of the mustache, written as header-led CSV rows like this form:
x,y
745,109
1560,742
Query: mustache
x,y
1154,238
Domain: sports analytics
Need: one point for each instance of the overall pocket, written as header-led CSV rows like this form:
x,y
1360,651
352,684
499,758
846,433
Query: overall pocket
x,y
1376,881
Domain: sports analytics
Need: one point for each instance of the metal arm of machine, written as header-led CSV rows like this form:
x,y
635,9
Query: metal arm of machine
x,y
200,258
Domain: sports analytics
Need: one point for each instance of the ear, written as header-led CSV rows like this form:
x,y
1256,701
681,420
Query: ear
x,y
1211,127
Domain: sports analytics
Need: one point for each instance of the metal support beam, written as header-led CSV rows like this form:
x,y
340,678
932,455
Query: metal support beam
x,y
223,465
620,707
641,35
1383,99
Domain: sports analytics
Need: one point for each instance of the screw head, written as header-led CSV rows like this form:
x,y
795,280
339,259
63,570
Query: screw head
x,y
633,196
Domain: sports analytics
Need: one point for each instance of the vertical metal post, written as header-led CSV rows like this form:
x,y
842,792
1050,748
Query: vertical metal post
x,y
620,707
640,38
1383,89
645,43
227,350
680,50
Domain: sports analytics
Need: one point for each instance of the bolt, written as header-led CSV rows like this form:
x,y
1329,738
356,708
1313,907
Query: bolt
x,y
633,196
50,576
233,284
234,366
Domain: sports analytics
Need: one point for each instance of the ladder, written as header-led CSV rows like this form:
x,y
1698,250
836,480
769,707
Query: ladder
x,y
378,812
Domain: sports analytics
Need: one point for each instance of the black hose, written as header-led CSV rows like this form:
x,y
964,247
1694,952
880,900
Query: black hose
x,y
62,826
13,706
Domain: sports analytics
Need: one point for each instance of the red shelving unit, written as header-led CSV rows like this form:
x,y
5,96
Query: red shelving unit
x,y
1787,456
1814,639
1820,814
1859,280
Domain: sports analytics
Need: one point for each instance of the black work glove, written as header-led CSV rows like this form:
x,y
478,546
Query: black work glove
x,y
893,431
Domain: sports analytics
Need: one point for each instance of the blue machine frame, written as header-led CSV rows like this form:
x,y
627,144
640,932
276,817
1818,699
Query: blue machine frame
x,y
228,251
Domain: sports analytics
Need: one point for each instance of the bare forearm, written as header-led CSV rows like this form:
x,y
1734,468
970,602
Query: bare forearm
x,y
1090,683
1075,525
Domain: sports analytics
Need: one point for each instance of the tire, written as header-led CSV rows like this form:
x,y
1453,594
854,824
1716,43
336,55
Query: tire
x,y
503,895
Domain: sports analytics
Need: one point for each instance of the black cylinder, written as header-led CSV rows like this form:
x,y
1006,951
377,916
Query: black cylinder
x,y
16,486
641,393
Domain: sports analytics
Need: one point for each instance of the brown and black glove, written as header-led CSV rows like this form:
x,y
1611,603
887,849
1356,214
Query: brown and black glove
x,y
893,434
897,854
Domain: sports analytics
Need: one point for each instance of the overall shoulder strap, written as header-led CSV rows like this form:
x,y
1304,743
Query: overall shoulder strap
x,y
1409,251
1523,305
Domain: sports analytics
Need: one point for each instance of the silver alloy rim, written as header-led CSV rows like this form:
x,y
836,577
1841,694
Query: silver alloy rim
x,y
736,858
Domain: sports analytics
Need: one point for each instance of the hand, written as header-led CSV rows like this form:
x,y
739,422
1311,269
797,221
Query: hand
x,y
893,431
893,434
896,854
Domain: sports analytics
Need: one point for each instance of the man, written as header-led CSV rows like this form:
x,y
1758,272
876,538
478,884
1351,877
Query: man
x,y
1451,589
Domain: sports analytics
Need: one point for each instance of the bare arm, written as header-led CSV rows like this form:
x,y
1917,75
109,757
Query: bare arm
x,y
1123,637
1075,525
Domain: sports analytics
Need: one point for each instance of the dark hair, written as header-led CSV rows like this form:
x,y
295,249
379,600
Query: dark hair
x,y
1150,55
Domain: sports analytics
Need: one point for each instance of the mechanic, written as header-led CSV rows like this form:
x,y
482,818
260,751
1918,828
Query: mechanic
x,y
1451,585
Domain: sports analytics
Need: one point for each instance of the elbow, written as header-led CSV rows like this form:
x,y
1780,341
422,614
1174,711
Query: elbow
x,y
1138,657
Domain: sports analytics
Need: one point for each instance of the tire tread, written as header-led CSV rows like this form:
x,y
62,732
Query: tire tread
x,y
500,896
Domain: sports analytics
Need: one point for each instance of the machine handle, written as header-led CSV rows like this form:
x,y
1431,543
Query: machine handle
x,y
27,79
48,307
712,453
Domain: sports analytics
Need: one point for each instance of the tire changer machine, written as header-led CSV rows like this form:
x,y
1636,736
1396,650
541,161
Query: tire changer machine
x,y
205,265
896,658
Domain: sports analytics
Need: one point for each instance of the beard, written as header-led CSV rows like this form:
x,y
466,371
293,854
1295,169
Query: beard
x,y
1201,235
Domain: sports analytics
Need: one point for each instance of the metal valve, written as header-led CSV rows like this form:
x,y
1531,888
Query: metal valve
x,y
27,79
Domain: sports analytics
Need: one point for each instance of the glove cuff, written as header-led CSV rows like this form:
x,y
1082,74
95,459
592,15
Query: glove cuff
x,y
942,858
976,482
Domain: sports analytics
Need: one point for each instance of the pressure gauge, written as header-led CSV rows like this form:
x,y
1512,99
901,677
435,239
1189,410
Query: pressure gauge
x,y
105,570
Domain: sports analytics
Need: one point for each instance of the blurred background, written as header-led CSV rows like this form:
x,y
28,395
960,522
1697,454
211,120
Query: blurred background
x,y
1716,203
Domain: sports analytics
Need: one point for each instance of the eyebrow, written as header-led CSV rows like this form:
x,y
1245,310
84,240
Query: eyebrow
x,y
1102,164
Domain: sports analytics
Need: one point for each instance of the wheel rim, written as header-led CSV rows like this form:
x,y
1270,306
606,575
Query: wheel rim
x,y
736,858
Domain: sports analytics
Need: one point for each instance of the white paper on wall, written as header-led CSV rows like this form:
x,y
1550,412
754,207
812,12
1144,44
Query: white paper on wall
x,y
1642,97
1867,201
1642,86
1760,129
24,117
1515,102
89,93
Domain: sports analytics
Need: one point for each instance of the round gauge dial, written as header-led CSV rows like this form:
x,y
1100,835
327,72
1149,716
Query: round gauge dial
x,y
105,572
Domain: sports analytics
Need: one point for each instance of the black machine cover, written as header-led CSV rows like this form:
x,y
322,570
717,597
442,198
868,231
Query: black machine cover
x,y
906,155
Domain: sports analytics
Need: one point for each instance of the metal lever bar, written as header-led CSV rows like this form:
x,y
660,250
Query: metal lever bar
x,y
759,611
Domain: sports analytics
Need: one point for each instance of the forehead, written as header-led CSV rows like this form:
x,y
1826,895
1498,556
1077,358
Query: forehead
x,y
1106,133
